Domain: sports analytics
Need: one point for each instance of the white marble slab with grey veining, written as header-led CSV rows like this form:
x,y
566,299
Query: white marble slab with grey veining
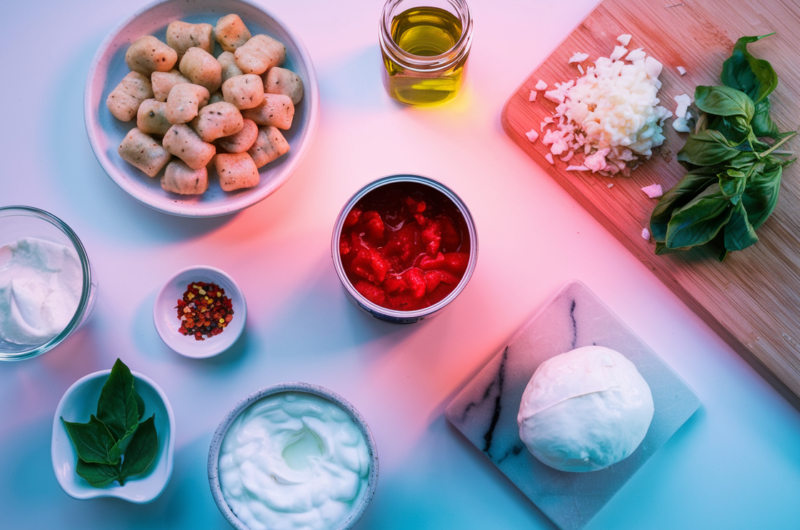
x,y
485,411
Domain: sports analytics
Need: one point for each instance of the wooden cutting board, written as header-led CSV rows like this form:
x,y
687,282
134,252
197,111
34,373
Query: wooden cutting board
x,y
752,299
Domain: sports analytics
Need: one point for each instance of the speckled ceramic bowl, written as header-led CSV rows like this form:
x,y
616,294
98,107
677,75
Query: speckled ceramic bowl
x,y
222,430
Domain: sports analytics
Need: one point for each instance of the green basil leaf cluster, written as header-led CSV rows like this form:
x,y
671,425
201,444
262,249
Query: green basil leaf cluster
x,y
114,445
734,176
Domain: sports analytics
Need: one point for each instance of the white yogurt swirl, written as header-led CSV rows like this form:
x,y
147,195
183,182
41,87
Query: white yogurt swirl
x,y
293,461
40,289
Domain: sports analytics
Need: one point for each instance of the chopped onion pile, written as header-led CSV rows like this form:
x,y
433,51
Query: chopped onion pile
x,y
611,116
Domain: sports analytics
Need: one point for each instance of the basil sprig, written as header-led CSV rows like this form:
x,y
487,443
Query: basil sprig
x,y
114,445
734,164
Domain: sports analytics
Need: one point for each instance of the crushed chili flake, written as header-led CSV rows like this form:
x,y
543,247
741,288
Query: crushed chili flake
x,y
204,310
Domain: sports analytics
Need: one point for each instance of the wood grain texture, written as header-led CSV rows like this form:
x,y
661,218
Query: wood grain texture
x,y
752,299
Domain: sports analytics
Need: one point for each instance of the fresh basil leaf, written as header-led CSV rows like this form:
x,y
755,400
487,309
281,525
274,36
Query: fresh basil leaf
x,y
707,148
117,405
93,441
700,220
724,101
739,233
679,195
122,444
98,475
141,451
761,194
139,404
742,71
762,121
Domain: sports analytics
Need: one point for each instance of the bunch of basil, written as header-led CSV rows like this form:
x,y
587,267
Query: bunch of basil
x,y
734,175
114,445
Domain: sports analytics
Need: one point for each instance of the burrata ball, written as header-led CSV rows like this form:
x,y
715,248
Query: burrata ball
x,y
585,410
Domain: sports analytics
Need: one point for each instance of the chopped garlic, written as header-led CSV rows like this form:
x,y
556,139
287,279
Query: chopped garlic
x,y
532,135
578,57
653,190
618,53
577,168
682,70
541,85
568,156
549,158
624,39
580,69
646,234
545,122
609,186
532,97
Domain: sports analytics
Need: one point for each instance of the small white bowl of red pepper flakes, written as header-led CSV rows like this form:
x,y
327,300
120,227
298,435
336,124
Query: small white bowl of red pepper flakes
x,y
200,312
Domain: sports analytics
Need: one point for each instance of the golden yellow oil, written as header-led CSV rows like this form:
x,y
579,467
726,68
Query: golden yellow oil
x,y
424,32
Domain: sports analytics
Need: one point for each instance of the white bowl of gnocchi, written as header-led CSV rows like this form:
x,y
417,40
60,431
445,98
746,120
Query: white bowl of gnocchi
x,y
201,108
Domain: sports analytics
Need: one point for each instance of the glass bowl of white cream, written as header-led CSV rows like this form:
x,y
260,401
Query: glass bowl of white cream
x,y
47,289
293,456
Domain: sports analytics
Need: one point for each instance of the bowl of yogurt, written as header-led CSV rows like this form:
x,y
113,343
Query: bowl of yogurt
x,y
47,289
293,456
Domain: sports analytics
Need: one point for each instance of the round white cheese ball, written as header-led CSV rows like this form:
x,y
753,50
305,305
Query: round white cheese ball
x,y
585,410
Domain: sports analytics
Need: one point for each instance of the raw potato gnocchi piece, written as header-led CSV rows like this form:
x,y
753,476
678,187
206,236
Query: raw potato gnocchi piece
x,y
259,54
270,145
183,180
276,110
124,100
231,32
244,91
152,117
218,120
236,171
184,143
202,69
184,102
143,152
148,55
229,69
241,141
164,81
279,80
181,36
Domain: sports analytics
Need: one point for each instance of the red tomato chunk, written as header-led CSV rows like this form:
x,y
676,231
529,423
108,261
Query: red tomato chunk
x,y
404,246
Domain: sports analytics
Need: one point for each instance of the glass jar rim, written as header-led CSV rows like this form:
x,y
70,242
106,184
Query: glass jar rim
x,y
430,62
86,289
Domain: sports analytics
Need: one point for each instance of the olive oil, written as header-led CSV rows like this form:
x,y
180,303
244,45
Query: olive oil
x,y
434,71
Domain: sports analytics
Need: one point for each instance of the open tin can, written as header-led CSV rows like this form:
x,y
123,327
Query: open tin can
x,y
468,230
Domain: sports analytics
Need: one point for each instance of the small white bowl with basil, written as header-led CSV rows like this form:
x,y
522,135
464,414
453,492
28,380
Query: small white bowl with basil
x,y
143,457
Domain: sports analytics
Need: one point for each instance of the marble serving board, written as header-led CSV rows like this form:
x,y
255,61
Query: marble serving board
x,y
485,411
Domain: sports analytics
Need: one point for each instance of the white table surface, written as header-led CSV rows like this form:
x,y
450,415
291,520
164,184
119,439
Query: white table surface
x,y
734,465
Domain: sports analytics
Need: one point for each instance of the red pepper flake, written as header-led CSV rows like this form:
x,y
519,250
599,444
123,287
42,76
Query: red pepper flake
x,y
204,311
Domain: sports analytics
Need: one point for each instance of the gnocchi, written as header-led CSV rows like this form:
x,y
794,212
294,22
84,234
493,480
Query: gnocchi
x,y
259,54
224,111
143,152
201,68
183,142
181,36
236,171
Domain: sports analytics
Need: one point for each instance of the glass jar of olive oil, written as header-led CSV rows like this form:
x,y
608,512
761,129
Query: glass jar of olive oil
x,y
425,46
